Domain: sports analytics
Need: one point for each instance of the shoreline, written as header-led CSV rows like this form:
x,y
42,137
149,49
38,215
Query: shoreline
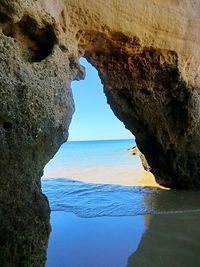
x,y
93,200
143,179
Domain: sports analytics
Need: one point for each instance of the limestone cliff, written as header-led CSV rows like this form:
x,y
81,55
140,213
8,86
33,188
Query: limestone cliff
x,y
148,56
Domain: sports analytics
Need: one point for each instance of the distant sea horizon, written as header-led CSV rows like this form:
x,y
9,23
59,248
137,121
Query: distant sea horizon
x,y
90,140
97,161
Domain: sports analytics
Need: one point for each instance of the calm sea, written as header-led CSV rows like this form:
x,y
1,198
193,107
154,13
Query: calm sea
x,y
96,161
102,178
105,215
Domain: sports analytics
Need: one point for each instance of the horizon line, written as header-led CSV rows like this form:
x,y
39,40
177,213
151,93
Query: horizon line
x,y
90,140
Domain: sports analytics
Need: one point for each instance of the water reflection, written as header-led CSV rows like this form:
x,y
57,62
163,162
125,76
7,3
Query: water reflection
x,y
172,232
92,242
170,240
167,234
154,240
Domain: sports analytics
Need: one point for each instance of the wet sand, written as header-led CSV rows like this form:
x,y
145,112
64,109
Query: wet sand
x,y
170,240
92,242
166,234
117,175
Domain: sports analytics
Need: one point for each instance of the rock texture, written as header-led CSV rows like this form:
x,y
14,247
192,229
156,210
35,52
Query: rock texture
x,y
34,118
148,57
36,108
135,151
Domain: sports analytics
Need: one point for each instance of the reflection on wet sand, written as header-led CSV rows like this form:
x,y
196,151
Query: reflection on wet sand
x,y
172,237
92,242
171,222
170,240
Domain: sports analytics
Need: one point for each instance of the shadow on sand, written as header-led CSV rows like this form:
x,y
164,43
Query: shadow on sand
x,y
171,238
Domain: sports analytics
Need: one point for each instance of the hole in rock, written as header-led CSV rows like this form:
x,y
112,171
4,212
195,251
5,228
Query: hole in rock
x,y
39,41
7,125
97,148
3,18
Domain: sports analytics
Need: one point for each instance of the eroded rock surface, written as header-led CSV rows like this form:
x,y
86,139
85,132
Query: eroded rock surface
x,y
147,54
135,151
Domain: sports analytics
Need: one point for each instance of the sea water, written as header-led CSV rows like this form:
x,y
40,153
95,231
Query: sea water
x,y
102,178
107,161
103,216
82,183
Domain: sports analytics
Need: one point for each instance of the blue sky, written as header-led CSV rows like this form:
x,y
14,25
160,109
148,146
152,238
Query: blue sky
x,y
93,118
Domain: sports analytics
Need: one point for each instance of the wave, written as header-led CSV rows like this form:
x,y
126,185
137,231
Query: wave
x,y
93,200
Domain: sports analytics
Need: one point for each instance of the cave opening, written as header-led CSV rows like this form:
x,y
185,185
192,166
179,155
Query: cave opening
x,y
98,149
97,164
93,118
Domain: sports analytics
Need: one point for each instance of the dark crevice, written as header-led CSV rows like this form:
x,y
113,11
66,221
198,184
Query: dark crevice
x,y
4,18
39,41
7,8
7,125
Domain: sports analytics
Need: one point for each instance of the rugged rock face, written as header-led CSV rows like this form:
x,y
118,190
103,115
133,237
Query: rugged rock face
x,y
36,108
147,54
146,91
34,118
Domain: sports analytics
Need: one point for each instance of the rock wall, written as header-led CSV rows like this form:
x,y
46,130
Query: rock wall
x,y
36,108
147,54
147,92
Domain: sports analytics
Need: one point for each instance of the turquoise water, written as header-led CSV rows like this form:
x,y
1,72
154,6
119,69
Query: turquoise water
x,y
83,154
98,222
88,178
97,162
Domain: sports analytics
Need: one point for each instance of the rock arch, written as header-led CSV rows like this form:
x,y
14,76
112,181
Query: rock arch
x,y
147,55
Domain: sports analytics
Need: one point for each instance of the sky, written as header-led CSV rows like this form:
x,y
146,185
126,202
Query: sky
x,y
93,118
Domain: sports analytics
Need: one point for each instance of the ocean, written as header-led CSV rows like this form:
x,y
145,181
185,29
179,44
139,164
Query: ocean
x,y
106,161
106,210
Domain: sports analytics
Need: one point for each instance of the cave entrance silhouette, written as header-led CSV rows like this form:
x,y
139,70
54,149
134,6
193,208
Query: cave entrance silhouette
x,y
98,143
